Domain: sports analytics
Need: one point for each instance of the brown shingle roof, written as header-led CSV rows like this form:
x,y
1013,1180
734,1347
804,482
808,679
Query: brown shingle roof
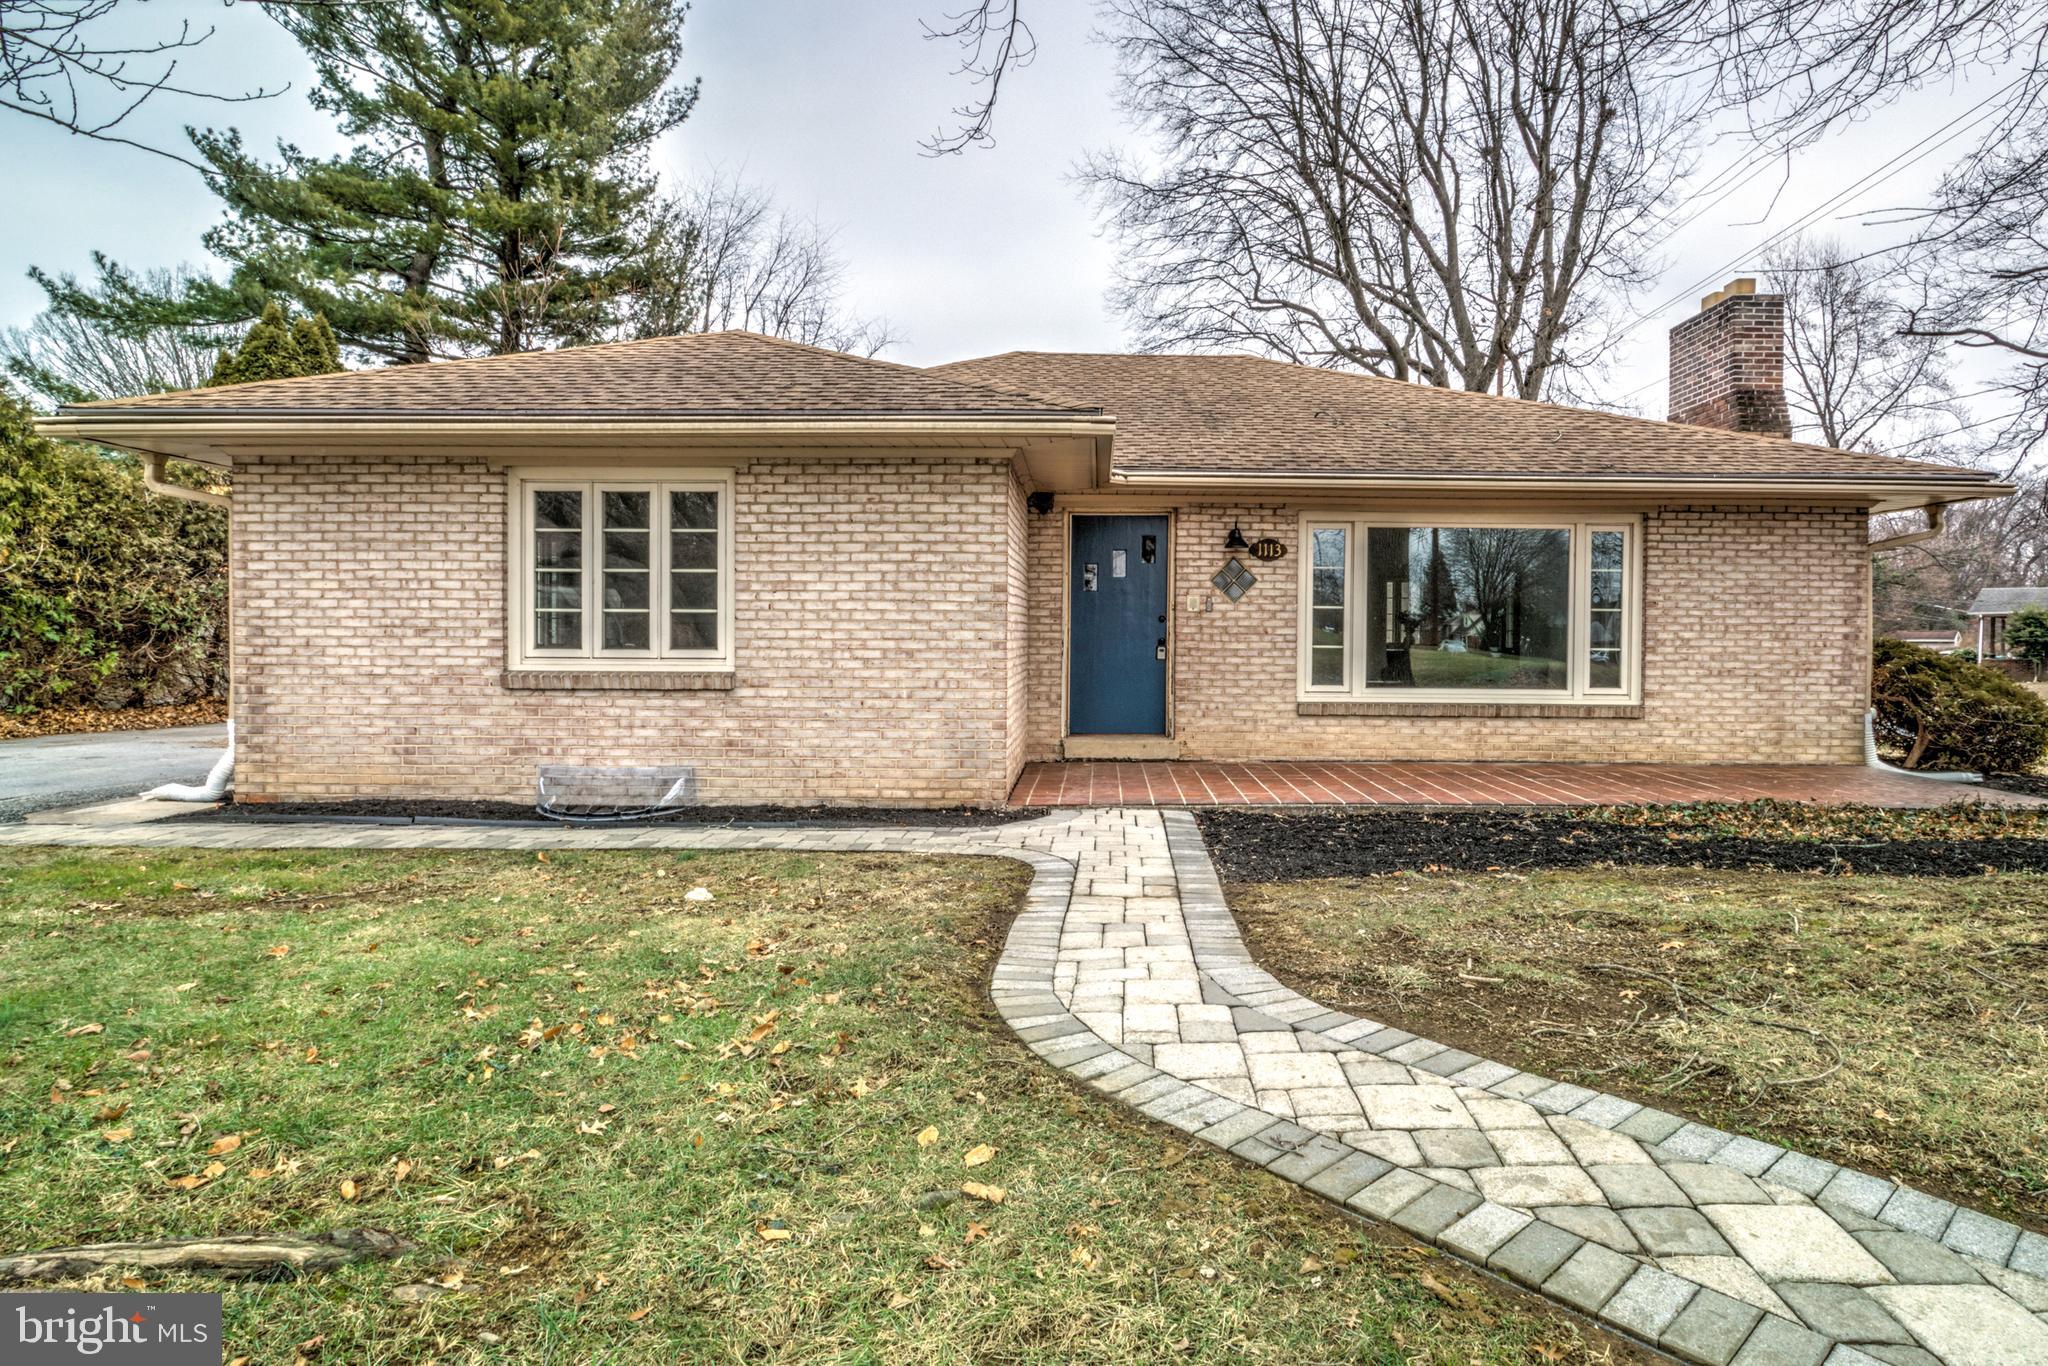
x,y
1244,415
703,374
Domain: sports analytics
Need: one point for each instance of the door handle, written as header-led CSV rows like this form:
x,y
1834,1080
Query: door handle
x,y
1161,651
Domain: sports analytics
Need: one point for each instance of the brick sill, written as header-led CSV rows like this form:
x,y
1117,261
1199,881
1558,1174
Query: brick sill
x,y
1577,711
617,680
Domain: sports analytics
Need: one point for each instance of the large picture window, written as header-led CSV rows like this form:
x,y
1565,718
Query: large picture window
x,y
622,573
1524,610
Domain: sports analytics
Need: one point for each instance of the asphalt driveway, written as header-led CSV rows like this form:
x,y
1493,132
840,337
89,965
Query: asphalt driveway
x,y
69,770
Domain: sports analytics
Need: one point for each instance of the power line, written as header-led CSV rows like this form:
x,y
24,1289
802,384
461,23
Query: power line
x,y
1885,171
1919,151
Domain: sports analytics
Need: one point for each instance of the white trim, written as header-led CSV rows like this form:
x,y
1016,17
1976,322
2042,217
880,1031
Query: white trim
x,y
1359,614
523,655
1304,686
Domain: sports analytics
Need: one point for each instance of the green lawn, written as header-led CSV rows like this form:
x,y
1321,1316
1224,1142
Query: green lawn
x,y
619,1125
1897,1024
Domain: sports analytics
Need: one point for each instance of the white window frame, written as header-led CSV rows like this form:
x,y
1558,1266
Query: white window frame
x,y
1358,613
524,655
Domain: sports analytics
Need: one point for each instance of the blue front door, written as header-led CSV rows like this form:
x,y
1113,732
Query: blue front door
x,y
1117,624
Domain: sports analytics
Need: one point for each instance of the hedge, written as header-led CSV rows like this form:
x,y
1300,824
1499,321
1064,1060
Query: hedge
x,y
1947,713
109,595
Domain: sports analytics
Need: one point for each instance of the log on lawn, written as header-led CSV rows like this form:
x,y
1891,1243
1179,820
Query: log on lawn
x,y
230,1254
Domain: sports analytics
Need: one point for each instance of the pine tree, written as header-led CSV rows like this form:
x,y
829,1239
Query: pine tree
x,y
275,349
495,192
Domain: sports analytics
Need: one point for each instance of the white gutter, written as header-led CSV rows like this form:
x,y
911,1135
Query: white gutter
x,y
1941,490
153,480
1937,515
122,429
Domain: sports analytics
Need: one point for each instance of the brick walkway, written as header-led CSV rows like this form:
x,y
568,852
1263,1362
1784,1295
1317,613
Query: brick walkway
x,y
1100,783
1125,969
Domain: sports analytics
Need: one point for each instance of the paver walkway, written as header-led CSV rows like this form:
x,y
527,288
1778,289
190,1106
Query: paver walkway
x,y
1125,969
1388,783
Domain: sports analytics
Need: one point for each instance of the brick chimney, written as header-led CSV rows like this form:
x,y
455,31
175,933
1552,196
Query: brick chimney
x,y
1728,363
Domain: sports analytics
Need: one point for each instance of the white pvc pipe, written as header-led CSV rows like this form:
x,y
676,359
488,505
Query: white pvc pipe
x,y
1870,757
212,790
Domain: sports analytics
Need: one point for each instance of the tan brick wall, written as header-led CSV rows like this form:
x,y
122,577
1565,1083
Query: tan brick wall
x,y
1016,625
874,614
1045,720
899,628
1755,650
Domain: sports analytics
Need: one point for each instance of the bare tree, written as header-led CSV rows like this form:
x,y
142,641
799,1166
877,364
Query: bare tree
x,y
1792,67
993,39
61,61
1857,380
87,344
1981,263
725,255
1437,190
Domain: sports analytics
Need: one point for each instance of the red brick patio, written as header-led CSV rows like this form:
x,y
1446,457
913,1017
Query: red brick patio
x,y
1086,783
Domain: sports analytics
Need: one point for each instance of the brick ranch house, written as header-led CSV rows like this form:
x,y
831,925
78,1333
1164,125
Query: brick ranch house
x,y
821,578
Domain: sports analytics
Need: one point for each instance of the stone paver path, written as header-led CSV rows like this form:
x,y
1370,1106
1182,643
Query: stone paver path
x,y
1125,969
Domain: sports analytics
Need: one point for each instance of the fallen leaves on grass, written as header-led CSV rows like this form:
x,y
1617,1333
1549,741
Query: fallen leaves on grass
x,y
210,1172
994,1195
1457,1297
978,1155
928,1136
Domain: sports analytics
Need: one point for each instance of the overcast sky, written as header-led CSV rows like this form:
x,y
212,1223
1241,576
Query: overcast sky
x,y
825,102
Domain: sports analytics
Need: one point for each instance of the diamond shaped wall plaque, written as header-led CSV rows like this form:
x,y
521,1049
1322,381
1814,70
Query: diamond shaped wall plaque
x,y
1233,579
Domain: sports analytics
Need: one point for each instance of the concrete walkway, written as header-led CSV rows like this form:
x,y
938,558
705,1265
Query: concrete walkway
x,y
1125,969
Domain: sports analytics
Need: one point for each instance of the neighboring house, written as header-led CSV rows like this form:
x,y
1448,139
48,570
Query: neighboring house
x,y
818,577
1941,642
1992,609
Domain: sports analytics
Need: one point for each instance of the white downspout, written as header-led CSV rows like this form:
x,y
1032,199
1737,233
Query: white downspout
x,y
153,480
1937,515
212,790
223,771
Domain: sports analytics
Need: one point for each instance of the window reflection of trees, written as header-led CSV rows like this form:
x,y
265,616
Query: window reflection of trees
x,y
1491,593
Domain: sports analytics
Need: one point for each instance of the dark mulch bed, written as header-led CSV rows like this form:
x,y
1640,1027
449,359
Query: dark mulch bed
x,y
1258,846
406,812
2033,784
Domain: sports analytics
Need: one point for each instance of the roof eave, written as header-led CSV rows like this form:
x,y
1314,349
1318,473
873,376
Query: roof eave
x,y
1884,494
201,435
